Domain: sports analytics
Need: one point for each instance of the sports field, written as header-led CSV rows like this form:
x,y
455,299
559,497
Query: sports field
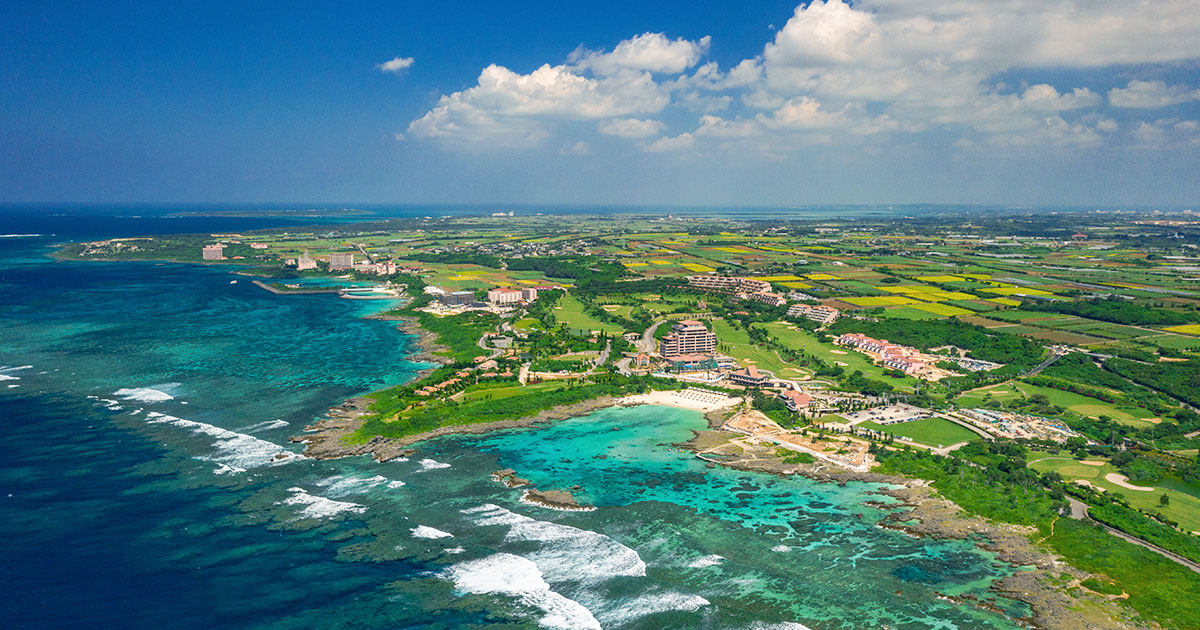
x,y
569,311
934,432
800,339
1184,506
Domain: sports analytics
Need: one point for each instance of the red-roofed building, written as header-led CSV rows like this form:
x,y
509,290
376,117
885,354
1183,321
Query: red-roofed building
x,y
749,377
795,400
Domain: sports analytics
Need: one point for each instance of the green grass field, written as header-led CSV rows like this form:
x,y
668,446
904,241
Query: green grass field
x,y
736,343
1183,507
930,431
800,339
1082,405
569,311
499,393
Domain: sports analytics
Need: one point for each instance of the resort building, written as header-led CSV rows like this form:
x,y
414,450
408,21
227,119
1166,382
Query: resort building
x,y
693,363
750,377
728,283
768,298
528,294
687,337
258,245
796,401
819,314
341,261
213,252
504,296
305,263
458,298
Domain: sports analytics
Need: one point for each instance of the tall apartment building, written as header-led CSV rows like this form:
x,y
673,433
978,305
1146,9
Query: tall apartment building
x,y
504,296
687,337
341,261
213,252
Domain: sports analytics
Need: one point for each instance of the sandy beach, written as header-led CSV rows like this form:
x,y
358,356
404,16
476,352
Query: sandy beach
x,y
692,398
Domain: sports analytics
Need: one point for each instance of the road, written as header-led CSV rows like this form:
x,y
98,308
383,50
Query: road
x,y
600,360
1079,512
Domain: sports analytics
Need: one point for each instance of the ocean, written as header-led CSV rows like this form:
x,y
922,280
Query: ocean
x,y
148,482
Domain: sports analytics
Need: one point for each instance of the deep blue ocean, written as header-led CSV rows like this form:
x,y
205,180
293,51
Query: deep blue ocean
x,y
147,480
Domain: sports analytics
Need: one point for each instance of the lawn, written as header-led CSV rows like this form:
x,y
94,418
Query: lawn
x,y
569,311
1078,403
736,343
930,431
799,339
508,391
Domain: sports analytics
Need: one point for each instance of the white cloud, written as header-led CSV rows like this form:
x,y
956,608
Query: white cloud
x,y
631,127
1167,133
577,148
507,108
838,72
652,52
1148,94
682,142
396,65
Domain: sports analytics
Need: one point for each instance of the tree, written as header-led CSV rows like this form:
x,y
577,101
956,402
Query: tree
x,y
1164,500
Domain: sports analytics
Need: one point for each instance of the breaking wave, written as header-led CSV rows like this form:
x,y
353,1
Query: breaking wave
x,y
514,576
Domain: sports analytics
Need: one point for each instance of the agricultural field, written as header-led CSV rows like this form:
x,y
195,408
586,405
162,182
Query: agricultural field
x,y
935,432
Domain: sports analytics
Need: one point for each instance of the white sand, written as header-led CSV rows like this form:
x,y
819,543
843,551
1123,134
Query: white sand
x,y
1123,481
1090,462
838,352
686,399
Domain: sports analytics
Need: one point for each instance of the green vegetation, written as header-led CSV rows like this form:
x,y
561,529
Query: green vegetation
x,y
1014,495
459,333
930,431
1159,590
1118,312
569,311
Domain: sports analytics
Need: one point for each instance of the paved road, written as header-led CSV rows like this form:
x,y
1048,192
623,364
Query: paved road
x,y
600,360
1079,512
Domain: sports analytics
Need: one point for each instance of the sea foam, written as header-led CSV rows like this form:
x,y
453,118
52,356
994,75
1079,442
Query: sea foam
x,y
342,485
313,506
422,531
507,574
143,394
6,372
264,426
430,464
567,554
706,561
237,450
625,611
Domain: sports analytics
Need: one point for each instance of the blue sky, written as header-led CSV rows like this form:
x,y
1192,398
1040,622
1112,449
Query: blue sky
x,y
1081,102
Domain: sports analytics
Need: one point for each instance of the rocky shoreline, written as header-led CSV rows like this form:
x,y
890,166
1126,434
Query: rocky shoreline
x,y
923,514
426,340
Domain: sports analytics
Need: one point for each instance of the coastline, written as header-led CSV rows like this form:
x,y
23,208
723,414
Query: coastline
x,y
922,513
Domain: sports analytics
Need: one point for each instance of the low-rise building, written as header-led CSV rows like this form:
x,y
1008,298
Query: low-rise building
x,y
819,314
796,401
749,377
768,298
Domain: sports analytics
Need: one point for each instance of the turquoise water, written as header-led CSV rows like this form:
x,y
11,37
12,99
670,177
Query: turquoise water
x,y
148,482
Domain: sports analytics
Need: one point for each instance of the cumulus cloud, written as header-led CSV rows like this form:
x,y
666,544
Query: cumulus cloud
x,y
851,73
1148,94
1167,133
396,65
631,127
652,52
525,102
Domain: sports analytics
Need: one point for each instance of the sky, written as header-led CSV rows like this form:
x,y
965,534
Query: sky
x,y
1081,103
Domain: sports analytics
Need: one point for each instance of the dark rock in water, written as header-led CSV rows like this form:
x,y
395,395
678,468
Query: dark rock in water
x,y
509,478
554,499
